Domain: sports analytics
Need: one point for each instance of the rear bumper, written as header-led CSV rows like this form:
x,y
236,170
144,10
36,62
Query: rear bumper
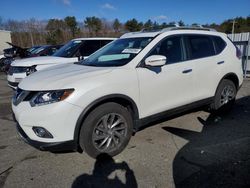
x,y
44,146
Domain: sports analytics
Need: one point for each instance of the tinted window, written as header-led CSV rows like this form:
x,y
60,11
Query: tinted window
x,y
200,46
171,48
51,51
69,49
89,47
104,42
220,44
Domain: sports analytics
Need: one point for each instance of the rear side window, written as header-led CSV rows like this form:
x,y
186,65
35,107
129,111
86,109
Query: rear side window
x,y
220,44
200,46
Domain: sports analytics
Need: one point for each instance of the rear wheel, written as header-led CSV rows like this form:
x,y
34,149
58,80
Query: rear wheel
x,y
224,97
107,129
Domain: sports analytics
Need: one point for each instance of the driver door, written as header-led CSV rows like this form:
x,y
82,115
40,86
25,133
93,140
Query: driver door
x,y
170,86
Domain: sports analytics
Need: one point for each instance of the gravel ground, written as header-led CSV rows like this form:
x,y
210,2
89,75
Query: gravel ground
x,y
193,150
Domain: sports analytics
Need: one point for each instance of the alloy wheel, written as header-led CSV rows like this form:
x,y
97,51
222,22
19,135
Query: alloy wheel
x,y
110,132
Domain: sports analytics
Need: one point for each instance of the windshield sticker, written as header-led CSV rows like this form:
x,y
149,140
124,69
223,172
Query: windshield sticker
x,y
113,57
131,50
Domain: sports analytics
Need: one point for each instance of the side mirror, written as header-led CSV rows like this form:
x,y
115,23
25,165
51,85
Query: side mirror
x,y
155,60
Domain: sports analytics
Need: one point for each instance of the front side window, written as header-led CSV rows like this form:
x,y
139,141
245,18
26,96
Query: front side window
x,y
104,42
200,46
171,48
89,47
69,49
118,52
51,51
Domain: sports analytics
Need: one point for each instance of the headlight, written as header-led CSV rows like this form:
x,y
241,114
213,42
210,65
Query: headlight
x,y
48,97
31,70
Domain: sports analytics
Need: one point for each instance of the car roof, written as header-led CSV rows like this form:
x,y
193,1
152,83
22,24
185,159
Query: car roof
x,y
177,30
95,38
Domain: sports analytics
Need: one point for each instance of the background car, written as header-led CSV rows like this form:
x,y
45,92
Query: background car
x,y
46,50
12,54
73,51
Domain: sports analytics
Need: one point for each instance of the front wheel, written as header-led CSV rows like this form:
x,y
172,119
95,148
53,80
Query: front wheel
x,y
224,97
107,129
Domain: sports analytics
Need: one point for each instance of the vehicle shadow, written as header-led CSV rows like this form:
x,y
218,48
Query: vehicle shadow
x,y
103,168
219,155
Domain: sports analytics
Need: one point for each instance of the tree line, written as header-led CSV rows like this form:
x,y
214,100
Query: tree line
x,y
58,31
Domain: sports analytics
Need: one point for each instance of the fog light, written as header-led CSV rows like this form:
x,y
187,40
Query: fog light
x,y
42,132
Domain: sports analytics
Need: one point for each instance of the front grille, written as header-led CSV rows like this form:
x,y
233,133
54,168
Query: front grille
x,y
22,95
13,84
8,61
13,70
19,96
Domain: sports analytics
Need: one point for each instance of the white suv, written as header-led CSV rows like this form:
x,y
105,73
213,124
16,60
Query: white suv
x,y
69,53
95,105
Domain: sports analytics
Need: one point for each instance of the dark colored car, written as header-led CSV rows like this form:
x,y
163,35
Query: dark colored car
x,y
45,50
17,52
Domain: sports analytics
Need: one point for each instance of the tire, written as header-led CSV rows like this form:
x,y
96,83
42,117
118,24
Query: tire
x,y
224,98
97,136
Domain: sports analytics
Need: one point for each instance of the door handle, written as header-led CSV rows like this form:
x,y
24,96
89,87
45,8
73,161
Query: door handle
x,y
187,71
221,62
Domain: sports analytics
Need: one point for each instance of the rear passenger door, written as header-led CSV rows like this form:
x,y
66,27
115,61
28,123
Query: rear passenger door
x,y
202,52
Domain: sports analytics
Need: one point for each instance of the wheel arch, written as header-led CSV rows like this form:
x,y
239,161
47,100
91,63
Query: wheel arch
x,y
117,98
229,76
233,77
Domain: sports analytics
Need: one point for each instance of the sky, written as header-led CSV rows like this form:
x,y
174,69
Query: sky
x,y
190,11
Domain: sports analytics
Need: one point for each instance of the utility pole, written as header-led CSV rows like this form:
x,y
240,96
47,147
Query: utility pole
x,y
30,27
234,22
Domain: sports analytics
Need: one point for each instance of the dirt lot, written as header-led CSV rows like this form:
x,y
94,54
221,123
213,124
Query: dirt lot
x,y
193,150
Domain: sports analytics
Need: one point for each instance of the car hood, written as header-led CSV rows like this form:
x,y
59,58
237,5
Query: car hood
x,y
60,77
27,62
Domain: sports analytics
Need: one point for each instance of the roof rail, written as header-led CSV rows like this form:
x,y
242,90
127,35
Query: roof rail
x,y
187,28
131,33
172,28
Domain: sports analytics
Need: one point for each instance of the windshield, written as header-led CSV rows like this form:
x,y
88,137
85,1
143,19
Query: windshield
x,y
117,53
33,48
68,49
38,50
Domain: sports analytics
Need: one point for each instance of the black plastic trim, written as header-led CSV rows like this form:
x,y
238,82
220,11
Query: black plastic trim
x,y
162,115
108,98
229,75
44,146
13,84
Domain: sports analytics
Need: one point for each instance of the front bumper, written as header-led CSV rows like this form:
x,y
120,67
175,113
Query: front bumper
x,y
53,147
63,146
59,119
15,79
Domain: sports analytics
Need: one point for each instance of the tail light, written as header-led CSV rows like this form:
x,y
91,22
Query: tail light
x,y
238,53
